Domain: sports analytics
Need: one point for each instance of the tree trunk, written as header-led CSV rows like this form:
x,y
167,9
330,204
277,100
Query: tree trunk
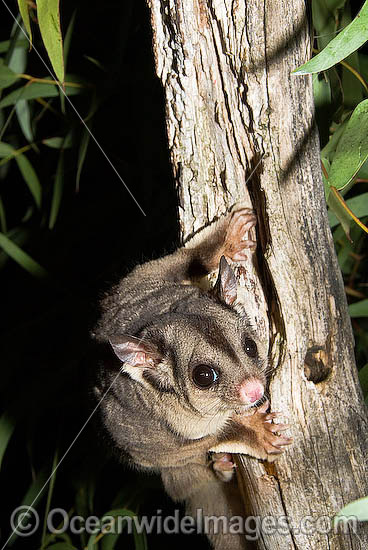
x,y
225,67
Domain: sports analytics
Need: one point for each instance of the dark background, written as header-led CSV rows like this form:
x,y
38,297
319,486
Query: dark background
x,y
99,235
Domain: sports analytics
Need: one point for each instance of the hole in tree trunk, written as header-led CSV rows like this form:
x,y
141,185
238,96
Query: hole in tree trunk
x,y
316,367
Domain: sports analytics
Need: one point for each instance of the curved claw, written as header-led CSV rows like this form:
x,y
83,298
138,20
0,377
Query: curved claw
x,y
263,408
278,427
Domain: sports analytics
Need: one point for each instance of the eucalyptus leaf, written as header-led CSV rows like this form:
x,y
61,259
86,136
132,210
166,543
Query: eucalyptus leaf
x,y
359,309
111,538
68,36
345,43
321,92
26,168
21,257
34,90
59,142
32,497
48,14
357,508
358,205
353,92
363,64
329,149
324,22
18,60
30,177
5,44
7,76
6,150
58,191
82,154
363,172
24,11
19,235
334,4
352,148
340,212
24,118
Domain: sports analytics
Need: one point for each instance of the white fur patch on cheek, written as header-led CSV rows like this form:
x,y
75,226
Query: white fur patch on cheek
x,y
135,374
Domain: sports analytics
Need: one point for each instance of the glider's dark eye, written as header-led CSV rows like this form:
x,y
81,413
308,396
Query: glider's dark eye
x,y
250,347
204,376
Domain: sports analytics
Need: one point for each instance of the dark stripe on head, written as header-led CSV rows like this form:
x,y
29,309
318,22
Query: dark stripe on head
x,y
157,383
212,332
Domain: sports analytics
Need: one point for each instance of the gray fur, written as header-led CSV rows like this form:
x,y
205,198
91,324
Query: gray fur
x,y
162,325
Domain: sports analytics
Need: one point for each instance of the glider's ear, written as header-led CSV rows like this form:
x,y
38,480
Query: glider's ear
x,y
135,351
226,285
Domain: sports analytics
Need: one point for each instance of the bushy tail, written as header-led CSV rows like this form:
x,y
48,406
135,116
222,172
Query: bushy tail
x,y
215,505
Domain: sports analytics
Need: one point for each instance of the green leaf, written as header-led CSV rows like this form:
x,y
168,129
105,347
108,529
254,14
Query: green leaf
x,y
111,539
345,258
329,149
7,76
359,309
352,91
34,90
352,149
358,205
84,503
24,118
363,172
363,379
21,257
340,212
5,45
32,498
30,177
96,62
18,59
321,92
7,426
357,508
345,43
58,190
324,22
19,235
26,168
33,494
82,154
48,14
6,150
24,11
86,136
59,142
68,36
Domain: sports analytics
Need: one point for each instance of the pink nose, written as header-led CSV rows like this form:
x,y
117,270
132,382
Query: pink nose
x,y
250,391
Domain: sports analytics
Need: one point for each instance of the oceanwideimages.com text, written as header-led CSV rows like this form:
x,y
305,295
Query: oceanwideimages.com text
x,y
25,521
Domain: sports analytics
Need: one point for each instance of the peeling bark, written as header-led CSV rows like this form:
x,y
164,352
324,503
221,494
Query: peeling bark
x,y
231,100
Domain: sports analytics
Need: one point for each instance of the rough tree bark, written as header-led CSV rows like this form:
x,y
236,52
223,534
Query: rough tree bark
x,y
225,67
